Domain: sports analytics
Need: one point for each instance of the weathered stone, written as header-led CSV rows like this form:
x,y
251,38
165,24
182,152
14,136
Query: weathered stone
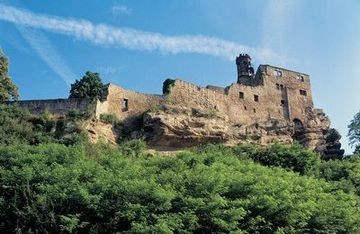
x,y
271,104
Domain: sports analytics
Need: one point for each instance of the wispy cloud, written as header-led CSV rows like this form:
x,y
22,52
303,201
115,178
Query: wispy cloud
x,y
47,53
120,10
276,22
102,34
109,70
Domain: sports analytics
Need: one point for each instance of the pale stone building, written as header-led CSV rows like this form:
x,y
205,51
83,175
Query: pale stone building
x,y
269,104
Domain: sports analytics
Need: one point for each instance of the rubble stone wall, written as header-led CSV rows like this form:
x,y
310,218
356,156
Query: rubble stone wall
x,y
58,107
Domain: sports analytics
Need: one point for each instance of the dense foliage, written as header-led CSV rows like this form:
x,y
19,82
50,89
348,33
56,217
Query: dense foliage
x,y
99,188
354,132
90,86
54,181
18,126
8,90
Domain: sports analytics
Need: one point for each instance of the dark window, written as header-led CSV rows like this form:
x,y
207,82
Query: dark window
x,y
281,87
245,108
277,86
282,102
303,92
125,104
300,78
254,110
241,95
277,73
256,98
298,124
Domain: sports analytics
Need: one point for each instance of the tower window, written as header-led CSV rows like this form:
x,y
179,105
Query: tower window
x,y
241,95
300,78
254,110
277,73
245,108
303,92
256,98
282,102
125,104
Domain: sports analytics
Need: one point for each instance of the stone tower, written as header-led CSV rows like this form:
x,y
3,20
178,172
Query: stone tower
x,y
244,69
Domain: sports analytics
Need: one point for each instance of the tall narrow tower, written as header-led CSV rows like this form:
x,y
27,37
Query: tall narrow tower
x,y
244,69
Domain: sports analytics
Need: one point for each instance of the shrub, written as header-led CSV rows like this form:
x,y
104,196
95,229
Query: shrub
x,y
89,86
17,125
78,115
109,119
133,148
167,85
294,157
52,188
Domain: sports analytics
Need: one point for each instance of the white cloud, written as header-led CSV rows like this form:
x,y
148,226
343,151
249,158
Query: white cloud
x,y
277,19
102,34
120,10
47,53
109,70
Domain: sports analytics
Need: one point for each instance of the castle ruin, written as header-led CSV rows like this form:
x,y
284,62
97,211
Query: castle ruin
x,y
271,104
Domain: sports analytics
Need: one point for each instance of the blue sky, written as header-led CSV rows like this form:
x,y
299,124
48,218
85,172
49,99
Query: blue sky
x,y
138,44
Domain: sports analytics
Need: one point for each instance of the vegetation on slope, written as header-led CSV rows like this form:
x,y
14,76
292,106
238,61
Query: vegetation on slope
x,y
354,132
89,86
98,188
51,185
8,90
18,126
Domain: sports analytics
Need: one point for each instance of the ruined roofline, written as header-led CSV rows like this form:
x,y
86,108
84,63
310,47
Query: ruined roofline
x,y
118,86
285,69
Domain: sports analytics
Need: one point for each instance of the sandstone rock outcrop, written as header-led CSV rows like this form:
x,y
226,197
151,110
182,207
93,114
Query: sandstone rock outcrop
x,y
179,127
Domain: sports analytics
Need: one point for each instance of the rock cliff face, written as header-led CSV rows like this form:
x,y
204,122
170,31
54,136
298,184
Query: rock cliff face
x,y
178,127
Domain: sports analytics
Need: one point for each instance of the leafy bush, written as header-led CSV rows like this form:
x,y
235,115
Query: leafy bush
x,y
89,86
133,148
8,90
167,85
109,119
99,189
293,157
345,174
78,115
354,132
17,125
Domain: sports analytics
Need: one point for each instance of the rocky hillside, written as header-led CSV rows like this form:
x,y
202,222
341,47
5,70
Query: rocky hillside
x,y
178,127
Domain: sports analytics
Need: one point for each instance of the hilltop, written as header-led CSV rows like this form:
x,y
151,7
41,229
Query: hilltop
x,y
270,105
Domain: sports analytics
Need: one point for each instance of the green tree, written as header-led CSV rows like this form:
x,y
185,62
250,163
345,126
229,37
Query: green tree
x,y
8,90
354,132
90,86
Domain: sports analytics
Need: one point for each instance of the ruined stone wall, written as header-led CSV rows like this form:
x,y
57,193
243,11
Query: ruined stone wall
x,y
293,83
58,107
282,94
125,103
277,97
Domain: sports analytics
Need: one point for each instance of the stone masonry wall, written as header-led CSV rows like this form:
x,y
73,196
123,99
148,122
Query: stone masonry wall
x,y
278,97
57,107
125,103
